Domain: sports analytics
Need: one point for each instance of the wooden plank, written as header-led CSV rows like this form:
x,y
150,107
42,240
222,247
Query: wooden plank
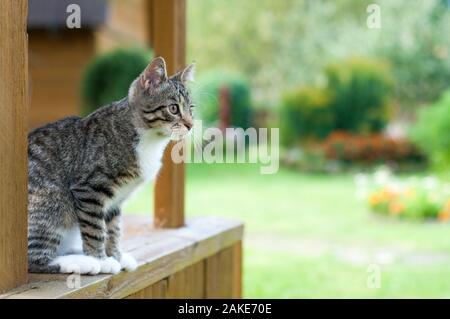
x,y
223,273
156,291
187,283
184,284
159,289
126,25
51,74
236,283
218,279
159,252
212,284
167,28
13,144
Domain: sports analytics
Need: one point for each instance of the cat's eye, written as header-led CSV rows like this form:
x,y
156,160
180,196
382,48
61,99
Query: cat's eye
x,y
173,108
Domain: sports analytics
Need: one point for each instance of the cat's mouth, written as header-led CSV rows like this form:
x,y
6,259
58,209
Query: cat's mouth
x,y
177,136
179,132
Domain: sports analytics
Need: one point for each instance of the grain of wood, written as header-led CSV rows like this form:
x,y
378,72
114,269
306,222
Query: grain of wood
x,y
13,144
187,283
184,284
167,33
217,274
160,254
56,66
156,291
237,271
126,25
223,273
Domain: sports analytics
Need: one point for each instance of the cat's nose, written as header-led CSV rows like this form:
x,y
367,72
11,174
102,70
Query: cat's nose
x,y
188,125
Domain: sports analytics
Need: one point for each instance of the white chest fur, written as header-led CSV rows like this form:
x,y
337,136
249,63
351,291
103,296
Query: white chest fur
x,y
149,152
122,193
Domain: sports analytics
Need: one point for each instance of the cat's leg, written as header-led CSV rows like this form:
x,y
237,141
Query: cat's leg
x,y
93,235
113,226
48,211
112,220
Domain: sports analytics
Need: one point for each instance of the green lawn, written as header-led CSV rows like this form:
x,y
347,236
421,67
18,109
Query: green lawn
x,y
309,236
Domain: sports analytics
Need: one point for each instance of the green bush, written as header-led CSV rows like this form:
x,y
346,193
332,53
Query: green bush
x,y
359,90
207,91
305,113
108,76
355,99
431,132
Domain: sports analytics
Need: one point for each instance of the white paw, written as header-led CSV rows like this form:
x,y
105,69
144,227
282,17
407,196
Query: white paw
x,y
127,262
109,265
78,264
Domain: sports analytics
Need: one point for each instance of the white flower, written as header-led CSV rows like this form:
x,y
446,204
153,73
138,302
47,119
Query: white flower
x,y
382,176
430,183
361,180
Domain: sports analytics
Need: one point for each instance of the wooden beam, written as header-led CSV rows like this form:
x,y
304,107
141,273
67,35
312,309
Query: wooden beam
x,y
237,271
223,273
161,253
13,143
167,33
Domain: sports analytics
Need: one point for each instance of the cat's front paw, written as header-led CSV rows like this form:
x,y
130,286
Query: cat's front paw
x,y
77,264
109,265
127,262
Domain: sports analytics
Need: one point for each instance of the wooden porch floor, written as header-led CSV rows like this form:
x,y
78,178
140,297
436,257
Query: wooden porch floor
x,y
160,254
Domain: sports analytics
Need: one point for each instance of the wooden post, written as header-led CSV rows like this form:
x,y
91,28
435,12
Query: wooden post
x,y
13,143
167,33
224,108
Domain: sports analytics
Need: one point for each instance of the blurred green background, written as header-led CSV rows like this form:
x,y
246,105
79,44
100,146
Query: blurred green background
x,y
364,116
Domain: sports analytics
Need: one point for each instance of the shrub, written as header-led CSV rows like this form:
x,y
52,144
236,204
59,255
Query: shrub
x,y
359,90
306,113
207,91
108,76
369,148
431,132
355,99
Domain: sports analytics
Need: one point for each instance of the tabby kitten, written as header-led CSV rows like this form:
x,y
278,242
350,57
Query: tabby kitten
x,y
82,169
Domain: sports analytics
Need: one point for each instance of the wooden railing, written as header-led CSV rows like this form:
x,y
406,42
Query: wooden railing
x,y
13,144
167,36
200,258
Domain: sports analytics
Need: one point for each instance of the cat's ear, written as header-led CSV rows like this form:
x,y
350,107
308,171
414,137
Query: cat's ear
x,y
186,75
154,74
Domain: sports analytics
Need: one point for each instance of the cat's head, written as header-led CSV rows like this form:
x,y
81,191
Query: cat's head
x,y
163,103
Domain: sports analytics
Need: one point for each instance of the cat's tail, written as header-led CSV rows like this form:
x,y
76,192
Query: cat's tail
x,y
42,264
41,253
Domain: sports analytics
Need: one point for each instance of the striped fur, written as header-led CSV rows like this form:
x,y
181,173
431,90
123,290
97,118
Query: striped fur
x,y
82,169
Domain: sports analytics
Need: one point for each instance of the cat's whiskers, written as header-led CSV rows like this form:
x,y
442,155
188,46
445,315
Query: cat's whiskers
x,y
178,133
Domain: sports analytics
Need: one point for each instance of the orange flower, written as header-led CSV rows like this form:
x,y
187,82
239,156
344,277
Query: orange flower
x,y
387,195
447,206
444,216
374,199
396,208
